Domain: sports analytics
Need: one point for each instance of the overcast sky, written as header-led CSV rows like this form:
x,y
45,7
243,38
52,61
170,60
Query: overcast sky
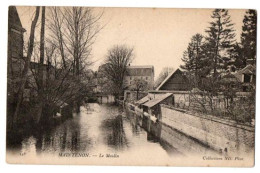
x,y
159,36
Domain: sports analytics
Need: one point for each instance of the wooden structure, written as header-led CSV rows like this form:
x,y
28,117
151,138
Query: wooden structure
x,y
152,107
176,81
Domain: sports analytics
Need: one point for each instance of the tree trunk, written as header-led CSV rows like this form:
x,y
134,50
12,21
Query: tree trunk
x,y
41,69
217,49
26,66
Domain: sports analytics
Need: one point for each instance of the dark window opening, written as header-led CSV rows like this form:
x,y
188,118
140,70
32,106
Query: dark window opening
x,y
247,78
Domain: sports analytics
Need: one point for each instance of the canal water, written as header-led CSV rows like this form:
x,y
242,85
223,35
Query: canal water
x,y
101,129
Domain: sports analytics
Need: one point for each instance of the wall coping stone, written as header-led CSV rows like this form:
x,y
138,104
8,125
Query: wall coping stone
x,y
212,118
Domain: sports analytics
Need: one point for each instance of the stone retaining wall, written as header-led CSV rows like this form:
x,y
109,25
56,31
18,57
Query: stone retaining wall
x,y
219,134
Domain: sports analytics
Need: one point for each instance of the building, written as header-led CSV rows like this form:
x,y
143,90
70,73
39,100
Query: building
x,y
247,76
176,81
145,73
152,107
15,43
15,53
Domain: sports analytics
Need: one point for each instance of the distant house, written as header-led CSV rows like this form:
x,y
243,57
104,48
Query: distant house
x,y
176,81
145,73
15,43
247,76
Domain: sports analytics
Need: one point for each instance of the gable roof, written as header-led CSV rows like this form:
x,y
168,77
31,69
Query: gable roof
x,y
167,78
14,19
249,69
156,101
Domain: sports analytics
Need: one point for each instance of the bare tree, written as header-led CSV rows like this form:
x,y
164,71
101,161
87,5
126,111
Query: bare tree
x,y
56,23
26,65
117,60
41,67
73,31
138,85
82,28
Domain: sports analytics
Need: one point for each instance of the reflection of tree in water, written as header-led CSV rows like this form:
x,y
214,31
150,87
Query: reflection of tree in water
x,y
115,132
134,121
65,138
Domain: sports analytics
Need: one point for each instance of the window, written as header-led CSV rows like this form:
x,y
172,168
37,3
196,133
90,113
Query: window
x,y
146,78
247,78
130,78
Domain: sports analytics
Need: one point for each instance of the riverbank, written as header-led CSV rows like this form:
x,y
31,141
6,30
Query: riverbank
x,y
225,137
102,129
27,125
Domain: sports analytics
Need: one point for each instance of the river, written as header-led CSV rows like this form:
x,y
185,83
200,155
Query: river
x,y
100,129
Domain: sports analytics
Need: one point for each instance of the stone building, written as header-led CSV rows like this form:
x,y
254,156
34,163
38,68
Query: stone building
x,y
145,73
14,53
15,43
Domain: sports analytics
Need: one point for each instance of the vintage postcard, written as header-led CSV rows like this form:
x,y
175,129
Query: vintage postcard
x,y
131,86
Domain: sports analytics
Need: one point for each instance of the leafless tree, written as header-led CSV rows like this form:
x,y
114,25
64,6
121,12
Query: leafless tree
x,y
117,60
62,53
138,85
55,25
26,65
41,67
81,30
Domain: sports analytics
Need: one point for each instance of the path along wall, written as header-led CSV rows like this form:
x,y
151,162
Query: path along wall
x,y
218,134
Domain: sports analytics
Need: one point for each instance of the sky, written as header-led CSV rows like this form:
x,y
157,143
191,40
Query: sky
x,y
159,36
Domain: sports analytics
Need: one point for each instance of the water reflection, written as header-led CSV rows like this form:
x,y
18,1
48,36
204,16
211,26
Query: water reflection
x,y
107,128
115,134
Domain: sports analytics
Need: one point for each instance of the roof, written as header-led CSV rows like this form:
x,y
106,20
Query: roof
x,y
167,78
157,100
139,71
143,100
14,19
249,69
140,66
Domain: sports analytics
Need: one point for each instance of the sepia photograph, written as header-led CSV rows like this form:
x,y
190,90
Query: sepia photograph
x,y
123,86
